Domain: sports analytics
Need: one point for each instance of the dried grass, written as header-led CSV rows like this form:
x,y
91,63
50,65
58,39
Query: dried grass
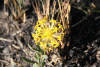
x,y
63,16
17,10
65,13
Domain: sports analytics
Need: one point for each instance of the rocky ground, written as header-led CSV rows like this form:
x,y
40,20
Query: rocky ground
x,y
84,48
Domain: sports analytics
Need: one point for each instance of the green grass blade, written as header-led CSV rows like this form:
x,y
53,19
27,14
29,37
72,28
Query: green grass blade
x,y
28,61
33,48
40,50
42,63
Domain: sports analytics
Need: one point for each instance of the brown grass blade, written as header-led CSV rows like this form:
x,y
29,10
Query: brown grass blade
x,y
47,8
37,10
44,7
53,9
64,8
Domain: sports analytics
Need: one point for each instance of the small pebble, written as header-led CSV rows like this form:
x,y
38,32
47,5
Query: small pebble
x,y
6,50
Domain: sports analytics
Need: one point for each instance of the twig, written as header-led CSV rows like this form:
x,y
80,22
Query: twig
x,y
80,21
19,31
86,7
17,47
4,61
8,40
53,9
8,53
20,43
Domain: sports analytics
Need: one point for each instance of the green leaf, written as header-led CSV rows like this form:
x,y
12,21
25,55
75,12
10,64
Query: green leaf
x,y
28,61
33,48
38,60
42,63
34,32
35,65
37,56
38,46
20,1
41,0
41,50
45,56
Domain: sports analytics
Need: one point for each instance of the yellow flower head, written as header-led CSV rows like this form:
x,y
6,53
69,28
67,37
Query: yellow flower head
x,y
48,33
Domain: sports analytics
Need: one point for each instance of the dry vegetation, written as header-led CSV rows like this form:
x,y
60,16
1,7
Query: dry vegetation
x,y
81,23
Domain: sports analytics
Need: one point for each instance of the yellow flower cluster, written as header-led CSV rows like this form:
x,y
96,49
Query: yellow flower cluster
x,y
48,33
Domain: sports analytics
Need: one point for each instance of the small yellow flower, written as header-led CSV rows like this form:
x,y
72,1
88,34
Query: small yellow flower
x,y
59,37
53,21
57,44
36,27
39,29
43,45
36,37
55,29
50,49
45,18
49,35
60,26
